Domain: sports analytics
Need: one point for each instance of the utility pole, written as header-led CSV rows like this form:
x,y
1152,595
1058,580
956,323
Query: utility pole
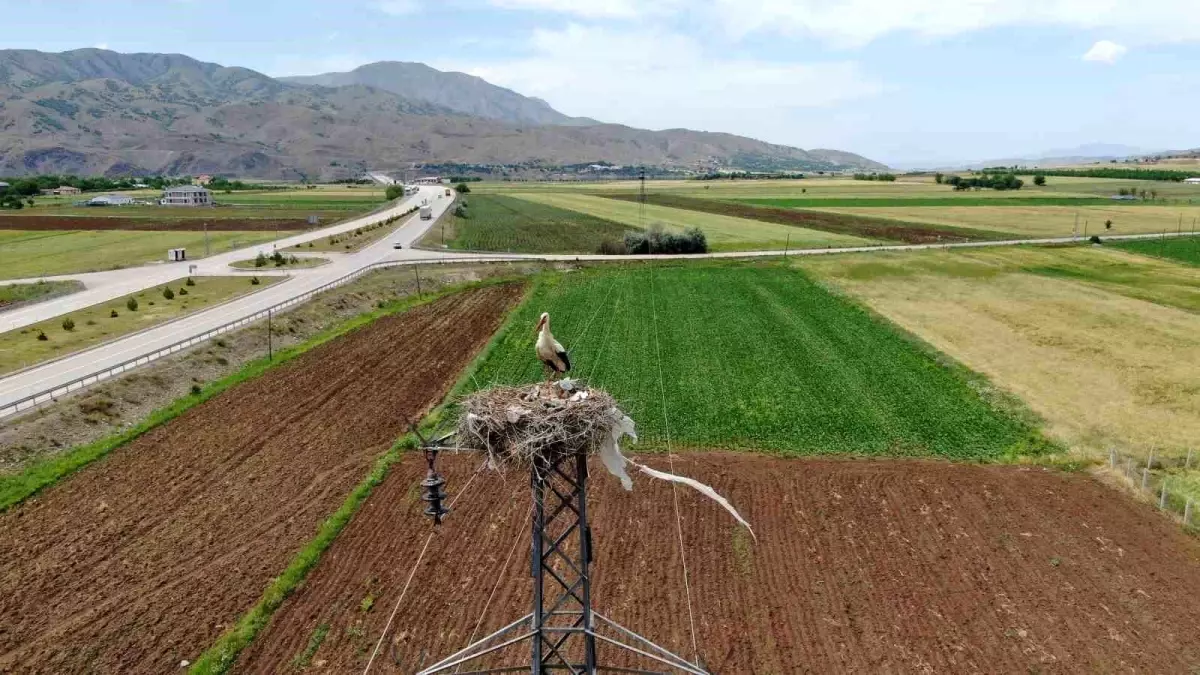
x,y
270,346
207,250
787,244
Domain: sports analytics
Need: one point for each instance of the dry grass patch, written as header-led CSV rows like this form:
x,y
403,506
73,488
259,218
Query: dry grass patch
x,y
1105,363
1041,221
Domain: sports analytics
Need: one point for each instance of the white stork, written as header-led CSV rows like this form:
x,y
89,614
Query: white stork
x,y
549,351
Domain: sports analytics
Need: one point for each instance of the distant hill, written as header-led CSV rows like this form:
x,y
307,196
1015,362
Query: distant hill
x,y
459,92
93,111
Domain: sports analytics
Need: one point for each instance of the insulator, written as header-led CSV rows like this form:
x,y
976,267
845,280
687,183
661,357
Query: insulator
x,y
434,495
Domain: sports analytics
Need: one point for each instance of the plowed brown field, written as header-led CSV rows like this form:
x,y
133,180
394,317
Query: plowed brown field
x,y
860,566
142,560
151,224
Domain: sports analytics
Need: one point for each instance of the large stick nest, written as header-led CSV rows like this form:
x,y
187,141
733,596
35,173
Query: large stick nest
x,y
518,425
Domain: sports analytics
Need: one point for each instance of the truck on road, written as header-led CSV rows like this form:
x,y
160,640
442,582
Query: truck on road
x,y
426,213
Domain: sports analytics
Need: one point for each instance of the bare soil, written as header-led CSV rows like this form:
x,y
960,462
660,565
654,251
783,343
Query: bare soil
x,y
860,567
152,224
141,560
107,408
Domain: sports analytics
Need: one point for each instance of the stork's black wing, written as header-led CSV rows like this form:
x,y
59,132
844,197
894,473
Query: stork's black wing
x,y
566,361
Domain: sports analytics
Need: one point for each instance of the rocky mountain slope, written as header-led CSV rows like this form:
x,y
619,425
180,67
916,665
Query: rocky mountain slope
x,y
95,111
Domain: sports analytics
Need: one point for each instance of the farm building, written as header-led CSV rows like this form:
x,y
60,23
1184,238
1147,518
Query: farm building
x,y
3,186
203,179
110,200
186,195
63,190
1192,181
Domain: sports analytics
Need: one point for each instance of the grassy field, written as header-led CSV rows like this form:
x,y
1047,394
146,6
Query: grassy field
x,y
95,324
1042,221
289,263
346,242
32,254
21,294
755,356
725,233
503,223
1099,342
1184,249
881,202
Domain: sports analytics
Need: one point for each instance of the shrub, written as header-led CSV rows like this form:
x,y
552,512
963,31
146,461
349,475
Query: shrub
x,y
657,241
613,248
254,281
168,294
183,291
90,322
195,389
1095,239
462,188
310,244
221,342
1039,180
190,282
460,212
293,260
42,335
131,304
260,260
113,314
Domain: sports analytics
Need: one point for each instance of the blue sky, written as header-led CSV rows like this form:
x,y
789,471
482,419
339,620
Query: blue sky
x,y
902,81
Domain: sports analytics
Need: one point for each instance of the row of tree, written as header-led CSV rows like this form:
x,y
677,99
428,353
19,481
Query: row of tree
x,y
32,185
1128,174
886,177
993,181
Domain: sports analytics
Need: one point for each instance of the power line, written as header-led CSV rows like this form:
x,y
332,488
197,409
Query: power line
x,y
687,589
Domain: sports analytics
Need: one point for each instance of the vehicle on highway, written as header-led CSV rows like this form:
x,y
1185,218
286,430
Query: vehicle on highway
x,y
447,192
397,244
426,213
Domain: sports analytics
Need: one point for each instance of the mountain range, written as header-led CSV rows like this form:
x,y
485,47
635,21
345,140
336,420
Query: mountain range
x,y
93,111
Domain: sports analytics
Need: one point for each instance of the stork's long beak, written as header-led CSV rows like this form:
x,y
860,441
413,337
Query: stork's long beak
x,y
541,322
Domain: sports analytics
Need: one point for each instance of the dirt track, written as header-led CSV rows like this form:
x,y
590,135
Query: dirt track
x,y
143,559
151,224
861,566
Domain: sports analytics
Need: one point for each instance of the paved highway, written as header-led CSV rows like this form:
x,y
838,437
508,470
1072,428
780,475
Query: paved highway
x,y
105,286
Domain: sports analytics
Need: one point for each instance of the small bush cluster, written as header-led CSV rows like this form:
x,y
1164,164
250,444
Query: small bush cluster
x,y
885,177
168,293
131,304
183,291
190,282
113,314
254,281
656,241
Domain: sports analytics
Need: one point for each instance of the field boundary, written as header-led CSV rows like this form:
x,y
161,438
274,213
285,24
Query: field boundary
x,y
1142,479
15,488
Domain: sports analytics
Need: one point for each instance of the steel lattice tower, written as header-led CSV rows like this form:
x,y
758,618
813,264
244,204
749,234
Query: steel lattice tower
x,y
562,629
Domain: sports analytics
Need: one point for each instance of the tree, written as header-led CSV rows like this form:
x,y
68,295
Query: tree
x,y
1108,224
132,304
939,177
1039,180
1153,195
394,192
260,260
168,293
68,324
462,188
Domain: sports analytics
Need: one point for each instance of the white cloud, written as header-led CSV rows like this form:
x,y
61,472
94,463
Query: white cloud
x,y
857,22
1105,51
591,9
101,45
653,79
397,7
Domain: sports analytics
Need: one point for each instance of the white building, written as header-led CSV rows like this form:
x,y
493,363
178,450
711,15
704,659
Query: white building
x,y
1192,181
186,195
110,200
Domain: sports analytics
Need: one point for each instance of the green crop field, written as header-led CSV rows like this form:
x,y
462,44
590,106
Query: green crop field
x,y
756,357
501,223
725,233
39,253
1182,249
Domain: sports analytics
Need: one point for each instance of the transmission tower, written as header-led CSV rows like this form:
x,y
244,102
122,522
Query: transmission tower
x,y
563,631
